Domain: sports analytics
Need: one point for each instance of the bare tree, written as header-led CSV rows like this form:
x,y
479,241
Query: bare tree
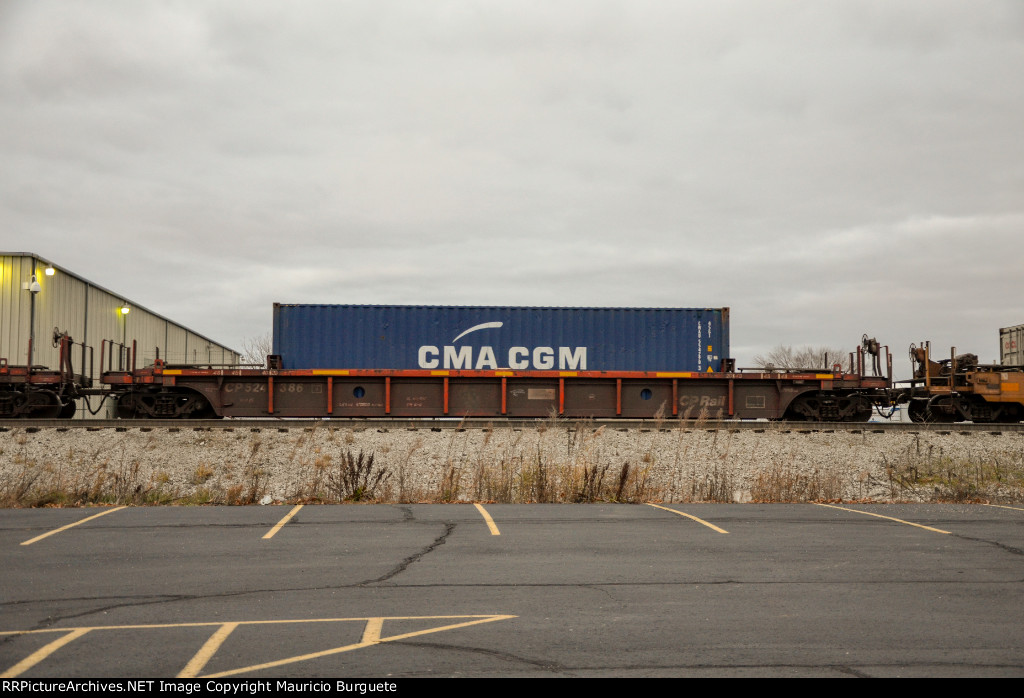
x,y
808,357
255,349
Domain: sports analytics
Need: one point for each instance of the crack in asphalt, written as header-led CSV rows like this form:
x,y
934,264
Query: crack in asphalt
x,y
169,598
518,659
141,601
1002,546
596,586
408,516
855,671
404,564
852,672
51,621
599,588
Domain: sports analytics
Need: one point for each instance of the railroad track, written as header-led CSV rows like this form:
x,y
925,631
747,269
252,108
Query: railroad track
x,y
469,423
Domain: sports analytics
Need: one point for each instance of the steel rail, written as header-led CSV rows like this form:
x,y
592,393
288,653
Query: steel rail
x,y
489,423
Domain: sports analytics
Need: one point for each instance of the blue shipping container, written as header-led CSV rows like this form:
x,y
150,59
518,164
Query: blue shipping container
x,y
489,338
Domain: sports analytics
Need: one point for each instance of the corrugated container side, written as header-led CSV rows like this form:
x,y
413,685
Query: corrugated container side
x,y
487,337
1011,345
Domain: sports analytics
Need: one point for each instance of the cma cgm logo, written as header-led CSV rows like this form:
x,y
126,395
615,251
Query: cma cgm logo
x,y
485,358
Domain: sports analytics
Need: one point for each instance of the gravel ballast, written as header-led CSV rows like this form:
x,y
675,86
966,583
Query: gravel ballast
x,y
560,462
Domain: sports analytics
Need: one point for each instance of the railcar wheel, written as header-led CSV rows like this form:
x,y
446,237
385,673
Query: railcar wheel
x,y
943,409
829,407
41,404
1008,416
917,410
124,408
982,412
805,408
164,404
855,408
10,403
204,411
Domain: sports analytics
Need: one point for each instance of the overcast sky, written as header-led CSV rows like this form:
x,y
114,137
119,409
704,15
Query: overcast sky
x,y
824,169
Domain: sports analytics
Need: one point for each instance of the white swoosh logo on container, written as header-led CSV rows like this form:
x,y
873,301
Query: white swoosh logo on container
x,y
484,326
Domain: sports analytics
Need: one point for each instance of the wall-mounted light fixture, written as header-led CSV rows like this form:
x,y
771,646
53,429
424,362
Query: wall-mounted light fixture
x,y
49,271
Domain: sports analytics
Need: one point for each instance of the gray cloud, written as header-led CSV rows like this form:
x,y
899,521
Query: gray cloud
x,y
825,169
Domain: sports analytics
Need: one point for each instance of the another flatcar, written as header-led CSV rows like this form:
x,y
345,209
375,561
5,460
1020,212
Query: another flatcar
x,y
960,389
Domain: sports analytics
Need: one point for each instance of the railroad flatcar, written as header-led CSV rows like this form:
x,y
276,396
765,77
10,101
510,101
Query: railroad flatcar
x,y
499,362
489,362
39,392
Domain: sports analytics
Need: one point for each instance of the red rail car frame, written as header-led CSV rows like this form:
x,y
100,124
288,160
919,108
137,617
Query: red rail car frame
x,y
37,391
324,393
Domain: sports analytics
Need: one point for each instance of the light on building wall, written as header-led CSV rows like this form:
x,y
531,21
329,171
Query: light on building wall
x,y
34,286
125,309
49,271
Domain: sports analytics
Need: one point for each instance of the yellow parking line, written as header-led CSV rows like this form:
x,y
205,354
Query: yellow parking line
x,y
217,623
1004,507
371,633
869,513
42,653
282,522
487,517
371,637
683,513
206,652
72,525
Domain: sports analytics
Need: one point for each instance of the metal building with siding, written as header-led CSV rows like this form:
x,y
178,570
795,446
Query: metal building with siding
x,y
66,302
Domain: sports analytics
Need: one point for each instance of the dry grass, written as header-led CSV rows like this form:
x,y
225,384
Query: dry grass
x,y
784,483
114,479
564,463
678,460
202,473
947,479
355,478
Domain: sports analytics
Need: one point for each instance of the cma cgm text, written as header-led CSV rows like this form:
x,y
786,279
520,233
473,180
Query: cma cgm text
x,y
519,358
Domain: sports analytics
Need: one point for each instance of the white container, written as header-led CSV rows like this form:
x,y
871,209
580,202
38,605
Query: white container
x,y
1011,346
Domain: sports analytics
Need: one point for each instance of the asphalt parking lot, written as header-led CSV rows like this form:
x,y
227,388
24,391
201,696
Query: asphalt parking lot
x,y
513,590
